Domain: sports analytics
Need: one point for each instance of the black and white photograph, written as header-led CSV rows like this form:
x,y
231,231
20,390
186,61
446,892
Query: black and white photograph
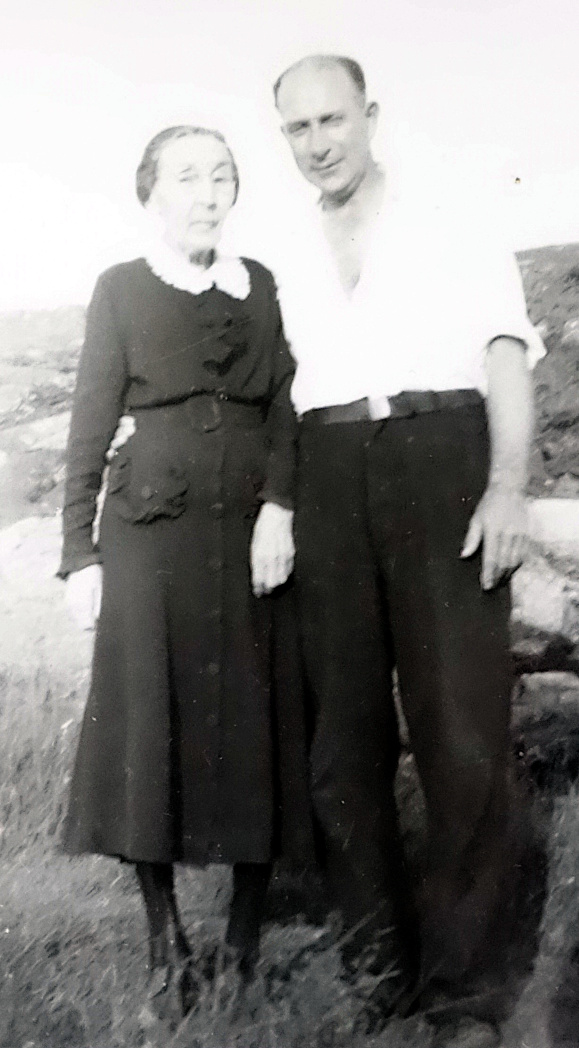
x,y
289,524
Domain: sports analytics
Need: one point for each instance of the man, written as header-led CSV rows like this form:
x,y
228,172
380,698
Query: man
x,y
408,524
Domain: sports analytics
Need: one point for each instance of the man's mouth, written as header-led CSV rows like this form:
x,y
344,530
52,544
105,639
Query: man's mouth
x,y
327,169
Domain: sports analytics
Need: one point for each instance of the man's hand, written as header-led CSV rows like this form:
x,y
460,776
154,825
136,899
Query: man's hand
x,y
500,523
272,548
83,595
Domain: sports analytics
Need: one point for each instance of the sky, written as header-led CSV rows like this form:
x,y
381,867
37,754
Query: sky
x,y
479,103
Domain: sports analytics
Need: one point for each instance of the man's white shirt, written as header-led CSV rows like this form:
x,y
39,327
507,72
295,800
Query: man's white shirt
x,y
434,291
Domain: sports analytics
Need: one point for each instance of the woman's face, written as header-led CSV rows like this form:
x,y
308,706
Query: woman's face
x,y
194,191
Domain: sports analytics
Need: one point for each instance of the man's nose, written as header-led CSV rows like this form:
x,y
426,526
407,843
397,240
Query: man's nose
x,y
319,144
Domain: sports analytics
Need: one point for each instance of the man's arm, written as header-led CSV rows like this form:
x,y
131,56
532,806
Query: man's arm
x,y
500,519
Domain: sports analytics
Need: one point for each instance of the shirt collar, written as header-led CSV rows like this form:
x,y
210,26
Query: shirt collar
x,y
228,274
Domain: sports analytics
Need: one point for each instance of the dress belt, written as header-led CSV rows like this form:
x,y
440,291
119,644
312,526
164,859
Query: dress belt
x,y
203,411
402,405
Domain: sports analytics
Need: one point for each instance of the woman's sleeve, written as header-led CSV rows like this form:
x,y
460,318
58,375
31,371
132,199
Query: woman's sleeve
x,y
97,407
281,418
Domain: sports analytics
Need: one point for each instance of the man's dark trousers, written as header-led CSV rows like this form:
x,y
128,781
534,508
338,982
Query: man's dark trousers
x,y
382,511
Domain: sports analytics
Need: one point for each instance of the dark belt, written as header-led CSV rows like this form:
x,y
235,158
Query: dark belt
x,y
202,411
402,405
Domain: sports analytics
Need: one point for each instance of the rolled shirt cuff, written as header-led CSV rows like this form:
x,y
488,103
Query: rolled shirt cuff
x,y
529,337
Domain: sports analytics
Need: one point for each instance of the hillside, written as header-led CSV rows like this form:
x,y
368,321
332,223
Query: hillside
x,y
551,280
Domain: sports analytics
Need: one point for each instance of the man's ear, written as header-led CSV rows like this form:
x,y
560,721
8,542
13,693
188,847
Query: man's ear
x,y
372,114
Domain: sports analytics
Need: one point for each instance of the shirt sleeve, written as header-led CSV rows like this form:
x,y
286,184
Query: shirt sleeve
x,y
281,418
507,307
97,407
490,288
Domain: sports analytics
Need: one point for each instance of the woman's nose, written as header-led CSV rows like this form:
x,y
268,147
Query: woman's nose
x,y
206,193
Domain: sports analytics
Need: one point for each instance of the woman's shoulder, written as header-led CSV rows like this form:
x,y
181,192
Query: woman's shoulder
x,y
260,276
124,272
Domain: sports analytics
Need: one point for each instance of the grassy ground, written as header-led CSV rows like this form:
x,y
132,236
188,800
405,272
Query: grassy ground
x,y
73,941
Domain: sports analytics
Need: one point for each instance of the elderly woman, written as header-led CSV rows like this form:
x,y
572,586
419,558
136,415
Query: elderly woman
x,y
178,759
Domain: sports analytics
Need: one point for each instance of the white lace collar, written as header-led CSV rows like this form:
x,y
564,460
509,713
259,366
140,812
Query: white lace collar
x,y
228,274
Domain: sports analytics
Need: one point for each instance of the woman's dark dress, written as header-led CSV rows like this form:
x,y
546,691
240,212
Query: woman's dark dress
x,y
179,757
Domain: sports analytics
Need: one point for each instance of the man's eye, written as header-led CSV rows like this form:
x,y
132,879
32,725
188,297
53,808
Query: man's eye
x,y
335,120
299,130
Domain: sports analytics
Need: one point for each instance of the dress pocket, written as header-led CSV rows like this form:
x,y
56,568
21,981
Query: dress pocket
x,y
143,492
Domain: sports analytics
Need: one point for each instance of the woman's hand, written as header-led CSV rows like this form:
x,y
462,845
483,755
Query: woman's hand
x,y
272,548
83,595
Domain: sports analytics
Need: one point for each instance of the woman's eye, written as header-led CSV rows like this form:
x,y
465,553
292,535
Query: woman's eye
x,y
188,178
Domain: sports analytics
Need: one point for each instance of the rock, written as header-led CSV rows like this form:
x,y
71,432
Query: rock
x,y
554,523
10,399
547,691
544,328
545,599
566,487
570,333
46,433
536,651
545,728
30,550
42,487
560,451
545,590
37,632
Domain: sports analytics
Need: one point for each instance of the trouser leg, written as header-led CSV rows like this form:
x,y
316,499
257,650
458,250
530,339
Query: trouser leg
x,y
355,746
250,883
451,647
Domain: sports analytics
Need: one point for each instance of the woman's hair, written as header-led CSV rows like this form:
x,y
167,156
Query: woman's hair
x,y
147,169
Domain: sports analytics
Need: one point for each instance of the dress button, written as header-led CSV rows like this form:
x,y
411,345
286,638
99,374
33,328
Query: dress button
x,y
213,669
147,492
215,563
217,509
212,720
215,613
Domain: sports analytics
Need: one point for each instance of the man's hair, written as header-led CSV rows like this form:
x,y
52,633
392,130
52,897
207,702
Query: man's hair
x,y
148,168
352,68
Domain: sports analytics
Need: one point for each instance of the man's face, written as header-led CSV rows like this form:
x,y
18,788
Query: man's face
x,y
327,127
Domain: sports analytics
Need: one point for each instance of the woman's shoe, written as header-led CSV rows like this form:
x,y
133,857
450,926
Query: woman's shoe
x,y
181,945
157,1005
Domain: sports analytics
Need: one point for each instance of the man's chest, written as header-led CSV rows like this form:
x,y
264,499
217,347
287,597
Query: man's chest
x,y
348,242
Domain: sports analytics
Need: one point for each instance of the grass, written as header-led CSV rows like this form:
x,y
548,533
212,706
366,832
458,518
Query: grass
x,y
73,939
543,1015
